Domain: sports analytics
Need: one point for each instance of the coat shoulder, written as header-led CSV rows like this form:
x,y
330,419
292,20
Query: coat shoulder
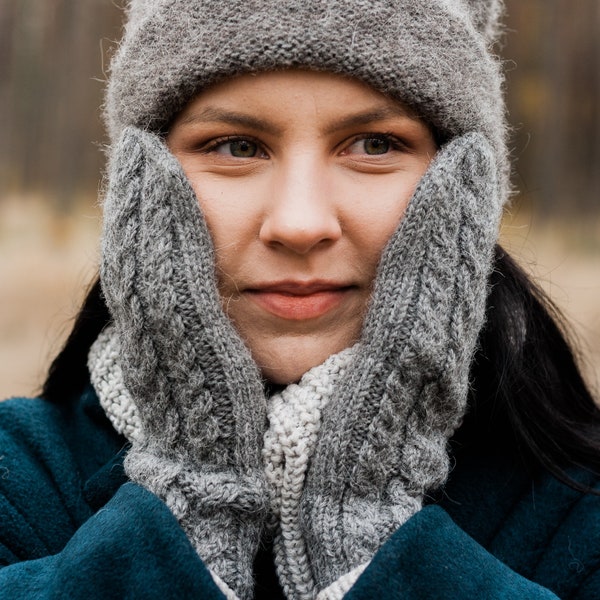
x,y
47,453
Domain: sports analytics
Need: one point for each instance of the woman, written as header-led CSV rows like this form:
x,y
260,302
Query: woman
x,y
310,373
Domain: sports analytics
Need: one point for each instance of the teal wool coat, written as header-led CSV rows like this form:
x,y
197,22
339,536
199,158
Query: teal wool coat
x,y
72,526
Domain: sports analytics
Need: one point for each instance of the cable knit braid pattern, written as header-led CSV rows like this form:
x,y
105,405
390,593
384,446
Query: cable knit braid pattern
x,y
198,392
382,445
294,417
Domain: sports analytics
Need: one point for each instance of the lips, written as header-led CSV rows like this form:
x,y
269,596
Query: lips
x,y
299,301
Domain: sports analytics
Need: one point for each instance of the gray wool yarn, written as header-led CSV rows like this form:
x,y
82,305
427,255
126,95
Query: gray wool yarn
x,y
433,55
382,444
198,392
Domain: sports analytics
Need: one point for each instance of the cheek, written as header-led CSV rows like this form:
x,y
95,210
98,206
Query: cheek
x,y
379,209
233,219
227,208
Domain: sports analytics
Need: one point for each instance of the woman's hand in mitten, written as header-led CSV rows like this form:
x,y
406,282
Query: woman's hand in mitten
x,y
195,387
382,445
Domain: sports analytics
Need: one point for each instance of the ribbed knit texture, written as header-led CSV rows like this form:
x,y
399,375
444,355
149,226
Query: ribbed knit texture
x,y
198,392
433,55
382,445
294,423
107,378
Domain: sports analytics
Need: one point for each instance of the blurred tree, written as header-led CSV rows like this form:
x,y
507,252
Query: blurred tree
x,y
554,102
52,55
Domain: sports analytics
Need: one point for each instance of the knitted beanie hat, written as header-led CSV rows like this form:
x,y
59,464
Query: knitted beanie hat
x,y
433,55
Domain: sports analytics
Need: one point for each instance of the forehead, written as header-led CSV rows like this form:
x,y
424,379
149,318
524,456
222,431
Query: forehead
x,y
329,95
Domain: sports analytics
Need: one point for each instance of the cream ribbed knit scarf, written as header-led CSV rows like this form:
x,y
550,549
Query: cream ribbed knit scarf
x,y
107,379
294,422
294,416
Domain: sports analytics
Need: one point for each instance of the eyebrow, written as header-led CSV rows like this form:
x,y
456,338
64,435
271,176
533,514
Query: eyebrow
x,y
212,114
369,116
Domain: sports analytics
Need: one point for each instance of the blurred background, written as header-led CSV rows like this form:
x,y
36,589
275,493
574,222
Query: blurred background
x,y
53,63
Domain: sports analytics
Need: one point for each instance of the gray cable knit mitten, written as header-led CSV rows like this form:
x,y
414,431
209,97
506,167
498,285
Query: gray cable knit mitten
x,y
382,444
195,386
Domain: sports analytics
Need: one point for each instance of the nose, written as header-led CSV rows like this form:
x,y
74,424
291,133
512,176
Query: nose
x,y
301,215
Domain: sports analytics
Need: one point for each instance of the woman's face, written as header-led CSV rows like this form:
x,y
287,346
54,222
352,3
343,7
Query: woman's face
x,y
302,178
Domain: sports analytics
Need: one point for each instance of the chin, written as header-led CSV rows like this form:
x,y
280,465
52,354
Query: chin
x,y
285,376
284,372
286,362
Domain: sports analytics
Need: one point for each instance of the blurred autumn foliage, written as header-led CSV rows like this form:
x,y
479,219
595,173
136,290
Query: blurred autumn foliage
x,y
54,56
